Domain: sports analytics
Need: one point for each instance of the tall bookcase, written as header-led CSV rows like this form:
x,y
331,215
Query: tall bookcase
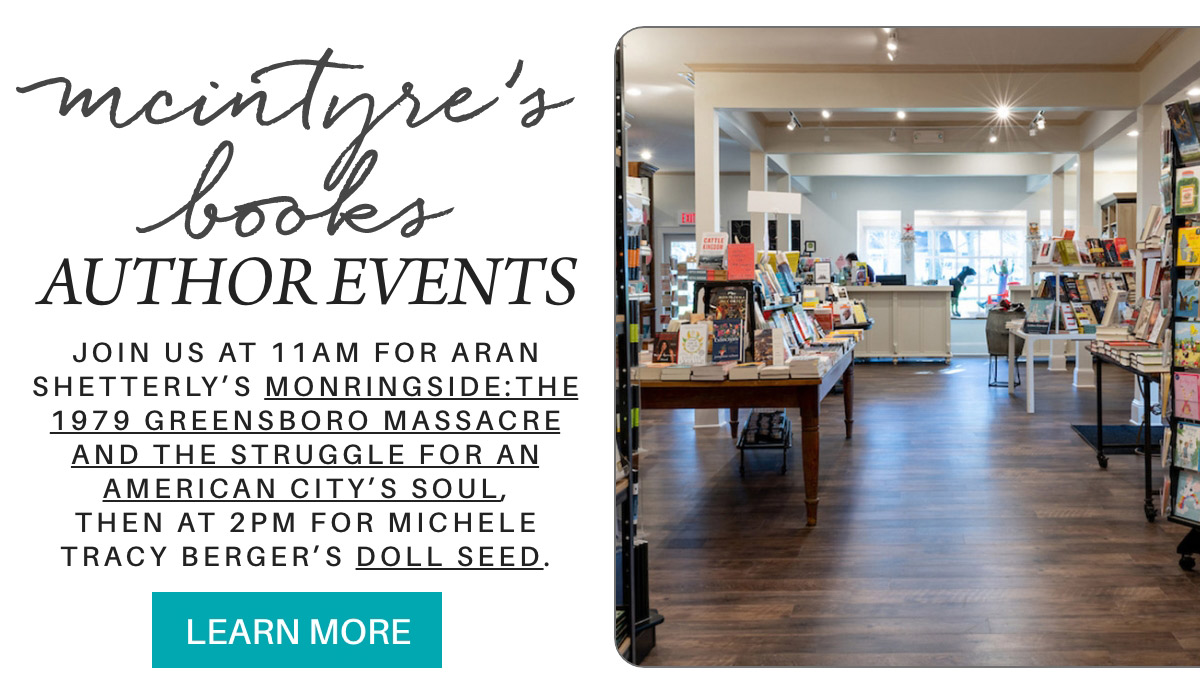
x,y
1190,545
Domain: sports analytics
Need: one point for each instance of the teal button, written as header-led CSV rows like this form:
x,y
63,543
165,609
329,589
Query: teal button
x,y
297,629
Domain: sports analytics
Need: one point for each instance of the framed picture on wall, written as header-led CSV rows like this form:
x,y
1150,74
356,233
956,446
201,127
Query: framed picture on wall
x,y
810,247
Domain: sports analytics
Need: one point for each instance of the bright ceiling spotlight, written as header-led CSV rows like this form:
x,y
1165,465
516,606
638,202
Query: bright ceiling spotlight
x,y
1032,131
892,44
892,136
825,114
992,136
793,122
900,114
1133,133
1003,112
1194,92
646,155
634,92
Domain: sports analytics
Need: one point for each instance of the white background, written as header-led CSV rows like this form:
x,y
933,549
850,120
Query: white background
x,y
76,187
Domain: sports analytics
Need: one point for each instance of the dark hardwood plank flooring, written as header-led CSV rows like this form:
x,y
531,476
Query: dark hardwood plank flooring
x,y
955,530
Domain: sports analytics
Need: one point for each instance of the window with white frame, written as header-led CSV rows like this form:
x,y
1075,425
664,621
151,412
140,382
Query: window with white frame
x,y
879,241
992,243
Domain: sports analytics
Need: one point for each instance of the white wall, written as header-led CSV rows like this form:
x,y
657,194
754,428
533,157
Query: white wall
x,y
831,211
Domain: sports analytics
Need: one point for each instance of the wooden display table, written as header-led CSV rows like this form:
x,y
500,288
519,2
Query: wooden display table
x,y
804,394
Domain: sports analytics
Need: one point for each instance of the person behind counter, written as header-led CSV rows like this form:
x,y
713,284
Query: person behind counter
x,y
852,258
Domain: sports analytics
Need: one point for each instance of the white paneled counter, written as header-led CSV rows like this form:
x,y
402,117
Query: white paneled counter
x,y
911,322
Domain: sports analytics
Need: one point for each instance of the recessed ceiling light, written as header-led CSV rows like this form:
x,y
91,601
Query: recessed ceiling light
x,y
1194,92
633,92
900,114
1133,133
1003,111
646,155
992,136
825,114
892,44
887,30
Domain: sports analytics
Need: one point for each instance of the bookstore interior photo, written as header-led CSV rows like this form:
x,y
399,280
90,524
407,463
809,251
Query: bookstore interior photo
x,y
907,347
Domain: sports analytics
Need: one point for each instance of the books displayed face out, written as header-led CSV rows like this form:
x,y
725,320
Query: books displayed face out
x,y
1187,395
1188,254
1187,189
1184,127
1187,446
1038,316
712,250
727,340
666,347
1186,504
741,261
693,344
1187,298
1187,345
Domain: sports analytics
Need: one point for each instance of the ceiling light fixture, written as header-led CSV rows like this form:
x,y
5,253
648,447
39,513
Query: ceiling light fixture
x,y
633,92
1038,123
1003,112
1194,92
892,44
1133,133
892,135
825,114
992,135
826,138
900,114
793,122
646,155
689,77
1032,130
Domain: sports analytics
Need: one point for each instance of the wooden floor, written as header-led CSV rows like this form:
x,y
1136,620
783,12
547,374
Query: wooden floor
x,y
954,530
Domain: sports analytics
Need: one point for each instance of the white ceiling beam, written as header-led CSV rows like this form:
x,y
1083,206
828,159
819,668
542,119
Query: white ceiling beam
x,y
802,184
741,127
1012,139
901,165
777,163
1173,69
1034,183
1101,127
909,91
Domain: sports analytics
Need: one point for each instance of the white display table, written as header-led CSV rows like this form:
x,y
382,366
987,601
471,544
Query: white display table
x,y
1083,359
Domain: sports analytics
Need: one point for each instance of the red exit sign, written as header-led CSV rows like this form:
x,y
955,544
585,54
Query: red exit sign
x,y
687,218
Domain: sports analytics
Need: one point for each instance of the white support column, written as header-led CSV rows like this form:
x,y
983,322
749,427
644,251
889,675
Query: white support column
x,y
758,183
708,191
1086,227
1149,168
1058,191
783,222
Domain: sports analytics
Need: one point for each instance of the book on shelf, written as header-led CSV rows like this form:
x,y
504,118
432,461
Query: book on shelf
x,y
1186,503
1150,227
727,340
1187,344
1067,252
649,372
1067,318
1187,391
1187,189
666,347
676,372
777,371
769,347
741,261
1187,446
693,344
1158,325
1045,255
1183,125
712,250
1188,253
1187,298
746,371
1038,316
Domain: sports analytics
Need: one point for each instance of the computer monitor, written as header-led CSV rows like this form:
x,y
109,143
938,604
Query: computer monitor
x,y
892,279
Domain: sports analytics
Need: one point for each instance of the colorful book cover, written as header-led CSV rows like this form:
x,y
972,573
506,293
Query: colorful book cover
x,y
741,261
1039,315
666,347
1187,396
728,302
727,340
1187,345
1123,252
693,344
1183,125
1188,253
1187,298
712,250
1111,257
1187,496
1187,187
1187,446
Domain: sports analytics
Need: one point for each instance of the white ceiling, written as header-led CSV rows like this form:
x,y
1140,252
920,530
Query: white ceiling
x,y
662,112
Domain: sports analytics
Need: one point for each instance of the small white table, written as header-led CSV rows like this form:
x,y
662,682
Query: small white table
x,y
1030,342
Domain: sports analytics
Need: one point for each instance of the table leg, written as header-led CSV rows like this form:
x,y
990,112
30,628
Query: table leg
x,y
1147,445
734,417
848,398
1012,359
810,449
1029,343
1100,457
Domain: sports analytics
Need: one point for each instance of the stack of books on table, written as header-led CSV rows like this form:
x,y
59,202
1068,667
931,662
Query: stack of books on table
x,y
775,371
649,372
676,372
711,372
1122,351
1156,361
746,371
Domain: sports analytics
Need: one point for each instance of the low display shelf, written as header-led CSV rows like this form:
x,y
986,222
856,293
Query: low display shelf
x,y
752,436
